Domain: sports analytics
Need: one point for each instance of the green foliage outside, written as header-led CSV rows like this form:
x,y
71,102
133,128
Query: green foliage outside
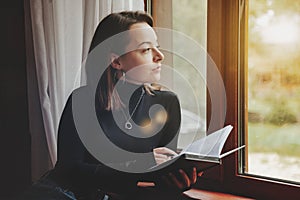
x,y
280,115
273,70
283,140
274,77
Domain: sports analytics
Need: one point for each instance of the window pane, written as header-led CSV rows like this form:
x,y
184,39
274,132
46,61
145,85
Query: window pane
x,y
274,89
189,18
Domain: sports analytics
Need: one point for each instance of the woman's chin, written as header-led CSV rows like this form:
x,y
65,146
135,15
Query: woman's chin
x,y
156,78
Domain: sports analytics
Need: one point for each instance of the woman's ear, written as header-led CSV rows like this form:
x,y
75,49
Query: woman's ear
x,y
114,60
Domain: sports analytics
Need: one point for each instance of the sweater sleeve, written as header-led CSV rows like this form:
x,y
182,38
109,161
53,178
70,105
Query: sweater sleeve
x,y
172,127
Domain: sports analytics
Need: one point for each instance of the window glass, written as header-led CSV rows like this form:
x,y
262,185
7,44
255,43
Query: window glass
x,y
273,138
189,17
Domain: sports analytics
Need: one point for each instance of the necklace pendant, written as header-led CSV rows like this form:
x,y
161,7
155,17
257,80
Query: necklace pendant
x,y
128,125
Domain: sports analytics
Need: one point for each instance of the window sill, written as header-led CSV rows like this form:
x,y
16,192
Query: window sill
x,y
209,195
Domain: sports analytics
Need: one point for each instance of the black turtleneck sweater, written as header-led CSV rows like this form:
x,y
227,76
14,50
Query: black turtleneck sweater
x,y
78,170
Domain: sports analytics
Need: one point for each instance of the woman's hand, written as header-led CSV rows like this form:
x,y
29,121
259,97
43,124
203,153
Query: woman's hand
x,y
163,154
181,180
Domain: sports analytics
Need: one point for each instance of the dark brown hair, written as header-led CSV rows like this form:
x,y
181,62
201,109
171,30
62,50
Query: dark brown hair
x,y
111,25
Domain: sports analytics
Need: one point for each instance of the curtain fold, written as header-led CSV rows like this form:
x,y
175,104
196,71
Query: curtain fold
x,y
58,35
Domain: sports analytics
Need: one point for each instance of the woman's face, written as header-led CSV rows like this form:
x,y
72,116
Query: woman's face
x,y
142,63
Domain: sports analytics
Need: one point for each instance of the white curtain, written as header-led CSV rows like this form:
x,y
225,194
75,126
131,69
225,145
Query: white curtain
x,y
58,33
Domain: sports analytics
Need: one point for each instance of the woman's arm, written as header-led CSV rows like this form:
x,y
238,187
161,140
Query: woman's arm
x,y
171,129
181,179
78,167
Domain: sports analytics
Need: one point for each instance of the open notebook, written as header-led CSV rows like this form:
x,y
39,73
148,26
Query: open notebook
x,y
203,153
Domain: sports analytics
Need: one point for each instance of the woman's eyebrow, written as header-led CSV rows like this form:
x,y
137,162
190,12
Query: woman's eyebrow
x,y
146,42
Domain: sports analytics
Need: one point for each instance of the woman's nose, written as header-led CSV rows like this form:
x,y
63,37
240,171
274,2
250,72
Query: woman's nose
x,y
158,55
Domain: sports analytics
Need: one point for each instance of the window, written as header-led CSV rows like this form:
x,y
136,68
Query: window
x,y
273,92
187,79
227,43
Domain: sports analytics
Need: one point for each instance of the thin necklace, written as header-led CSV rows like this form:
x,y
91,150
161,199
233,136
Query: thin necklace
x,y
128,124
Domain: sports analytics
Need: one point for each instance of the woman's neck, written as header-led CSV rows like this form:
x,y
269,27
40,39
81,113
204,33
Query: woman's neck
x,y
132,81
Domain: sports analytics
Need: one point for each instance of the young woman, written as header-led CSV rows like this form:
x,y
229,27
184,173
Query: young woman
x,y
138,118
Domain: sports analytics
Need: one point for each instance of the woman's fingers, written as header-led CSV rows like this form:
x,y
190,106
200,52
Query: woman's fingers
x,y
181,180
164,150
193,175
185,178
175,181
161,158
200,173
189,178
163,154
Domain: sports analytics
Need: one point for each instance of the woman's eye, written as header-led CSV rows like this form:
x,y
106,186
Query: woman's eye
x,y
146,50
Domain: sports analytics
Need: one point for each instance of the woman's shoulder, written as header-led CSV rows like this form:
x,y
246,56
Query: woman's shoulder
x,y
77,93
155,89
165,93
81,89
165,96
81,92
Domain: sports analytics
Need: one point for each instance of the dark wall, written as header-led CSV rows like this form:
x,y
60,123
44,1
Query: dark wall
x,y
15,138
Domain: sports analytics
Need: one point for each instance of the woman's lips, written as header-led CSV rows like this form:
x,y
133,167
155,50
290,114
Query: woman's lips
x,y
156,69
